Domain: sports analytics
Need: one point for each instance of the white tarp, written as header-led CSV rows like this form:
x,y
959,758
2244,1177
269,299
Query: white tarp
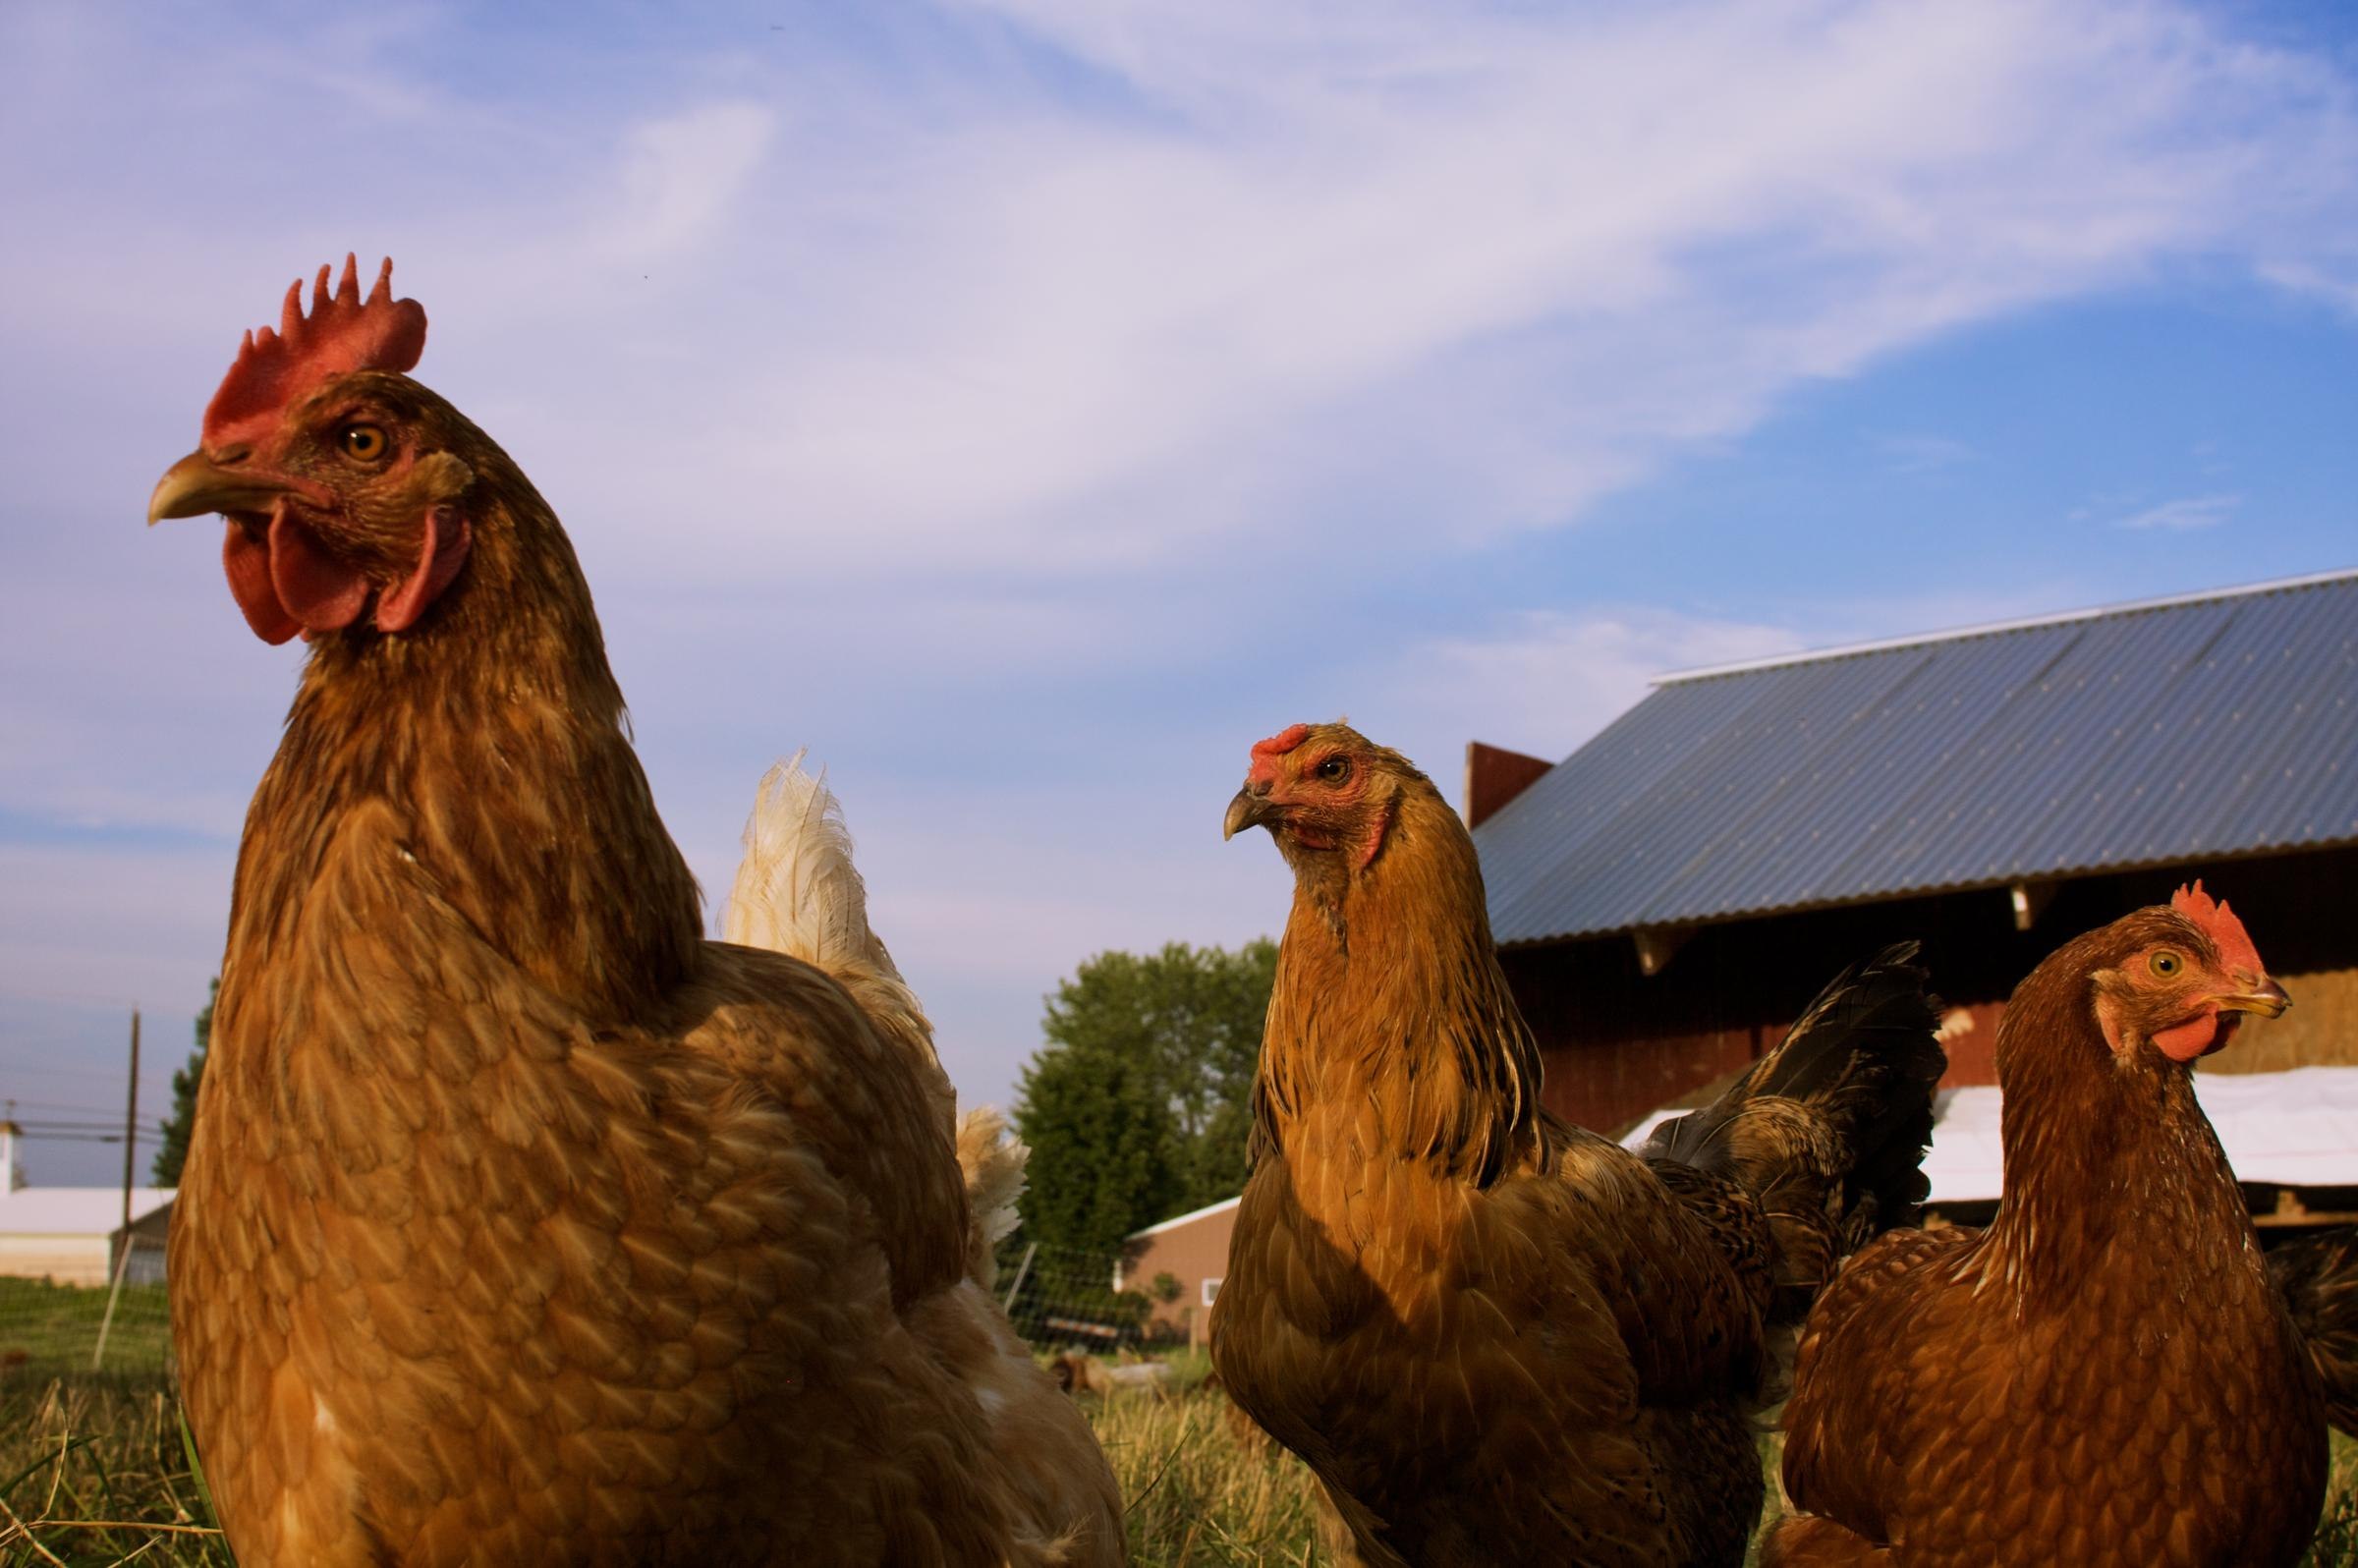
x,y
2296,1129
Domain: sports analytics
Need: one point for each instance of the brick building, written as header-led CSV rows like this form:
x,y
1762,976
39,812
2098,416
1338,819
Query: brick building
x,y
1193,1250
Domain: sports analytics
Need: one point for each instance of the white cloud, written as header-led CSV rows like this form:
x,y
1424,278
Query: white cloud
x,y
1496,264
680,176
1920,453
1050,398
2183,514
1544,682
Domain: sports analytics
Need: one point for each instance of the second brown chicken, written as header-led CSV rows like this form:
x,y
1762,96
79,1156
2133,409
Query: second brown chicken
x,y
1495,1337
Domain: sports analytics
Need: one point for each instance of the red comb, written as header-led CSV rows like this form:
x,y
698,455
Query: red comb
x,y
2218,922
1266,752
342,334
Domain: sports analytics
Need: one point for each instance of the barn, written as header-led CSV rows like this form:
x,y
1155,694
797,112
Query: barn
x,y
1667,898
1191,1249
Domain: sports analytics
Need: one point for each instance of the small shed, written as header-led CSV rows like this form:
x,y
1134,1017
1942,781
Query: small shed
x,y
1193,1250
73,1234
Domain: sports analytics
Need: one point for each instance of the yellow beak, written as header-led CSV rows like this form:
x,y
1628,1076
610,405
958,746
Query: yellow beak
x,y
2268,999
197,484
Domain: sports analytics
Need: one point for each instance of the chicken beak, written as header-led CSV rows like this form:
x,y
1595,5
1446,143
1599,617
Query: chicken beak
x,y
2267,998
1248,809
198,484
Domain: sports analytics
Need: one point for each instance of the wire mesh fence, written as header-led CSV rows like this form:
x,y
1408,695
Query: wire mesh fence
x,y
1068,1297
106,1312
99,1313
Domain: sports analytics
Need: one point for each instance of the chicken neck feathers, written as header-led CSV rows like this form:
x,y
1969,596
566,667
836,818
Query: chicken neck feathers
x,y
1493,1337
519,1223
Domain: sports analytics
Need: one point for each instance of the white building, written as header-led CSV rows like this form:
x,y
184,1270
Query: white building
x,y
72,1234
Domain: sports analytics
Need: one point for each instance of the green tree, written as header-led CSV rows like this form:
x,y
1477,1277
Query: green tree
x,y
175,1151
1099,1136
1161,1049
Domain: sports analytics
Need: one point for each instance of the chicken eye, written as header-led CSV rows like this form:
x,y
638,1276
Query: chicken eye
x,y
1335,769
2165,963
365,442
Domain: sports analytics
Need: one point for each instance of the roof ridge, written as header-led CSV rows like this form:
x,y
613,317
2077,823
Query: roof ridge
x,y
1993,628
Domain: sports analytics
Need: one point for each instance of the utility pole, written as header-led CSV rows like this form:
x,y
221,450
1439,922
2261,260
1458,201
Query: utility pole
x,y
131,1128
130,1146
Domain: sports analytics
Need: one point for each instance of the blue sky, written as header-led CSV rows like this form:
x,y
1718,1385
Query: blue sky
x,y
1027,405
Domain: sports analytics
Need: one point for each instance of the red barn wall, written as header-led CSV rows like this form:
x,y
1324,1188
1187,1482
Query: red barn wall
x,y
1191,1254
1618,1044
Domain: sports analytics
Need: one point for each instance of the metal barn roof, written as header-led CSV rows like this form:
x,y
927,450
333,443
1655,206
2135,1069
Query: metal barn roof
x,y
2193,728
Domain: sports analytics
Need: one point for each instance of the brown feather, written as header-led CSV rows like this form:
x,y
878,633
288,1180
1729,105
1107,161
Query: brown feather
x,y
2106,1375
519,1224
1495,1338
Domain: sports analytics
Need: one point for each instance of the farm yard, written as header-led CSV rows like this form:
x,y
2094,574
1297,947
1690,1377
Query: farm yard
x,y
1762,598
97,1470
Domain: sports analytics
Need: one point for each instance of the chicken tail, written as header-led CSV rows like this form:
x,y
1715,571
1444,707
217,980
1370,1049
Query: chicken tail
x,y
2318,1276
1827,1131
796,892
992,1158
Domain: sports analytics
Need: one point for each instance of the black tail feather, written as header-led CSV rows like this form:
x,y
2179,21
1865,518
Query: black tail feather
x,y
1842,1105
2317,1275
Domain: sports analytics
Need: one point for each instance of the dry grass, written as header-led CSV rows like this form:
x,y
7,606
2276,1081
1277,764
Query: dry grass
x,y
1202,1489
1202,1495
96,1473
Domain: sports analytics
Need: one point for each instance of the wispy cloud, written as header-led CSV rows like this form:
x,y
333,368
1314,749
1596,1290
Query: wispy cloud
x,y
1918,453
2184,514
1545,681
1014,398
1416,254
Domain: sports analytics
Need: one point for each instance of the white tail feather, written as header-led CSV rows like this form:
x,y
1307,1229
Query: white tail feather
x,y
796,892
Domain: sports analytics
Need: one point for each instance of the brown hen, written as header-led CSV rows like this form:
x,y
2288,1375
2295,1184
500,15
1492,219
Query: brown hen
x,y
1496,1338
2106,1375
519,1224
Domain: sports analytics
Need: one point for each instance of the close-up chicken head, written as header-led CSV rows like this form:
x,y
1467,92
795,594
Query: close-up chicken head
x,y
2182,981
1320,788
332,467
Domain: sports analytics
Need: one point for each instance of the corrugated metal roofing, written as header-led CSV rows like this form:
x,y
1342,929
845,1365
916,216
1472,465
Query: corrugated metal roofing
x,y
2183,729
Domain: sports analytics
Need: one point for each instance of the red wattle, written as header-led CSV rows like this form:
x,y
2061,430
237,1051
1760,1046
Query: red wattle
x,y
247,561
2199,1036
440,557
321,592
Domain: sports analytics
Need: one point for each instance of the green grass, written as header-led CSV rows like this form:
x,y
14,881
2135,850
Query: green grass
x,y
51,1330
2336,1543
